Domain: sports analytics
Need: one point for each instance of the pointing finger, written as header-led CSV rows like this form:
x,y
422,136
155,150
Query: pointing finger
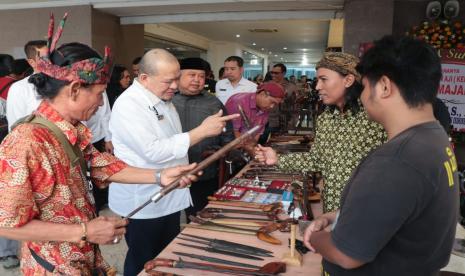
x,y
229,117
218,114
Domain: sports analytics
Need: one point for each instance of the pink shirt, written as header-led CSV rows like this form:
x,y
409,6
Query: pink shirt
x,y
249,105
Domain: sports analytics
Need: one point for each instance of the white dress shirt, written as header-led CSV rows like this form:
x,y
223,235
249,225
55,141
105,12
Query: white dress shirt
x,y
23,99
141,140
224,88
2,108
98,123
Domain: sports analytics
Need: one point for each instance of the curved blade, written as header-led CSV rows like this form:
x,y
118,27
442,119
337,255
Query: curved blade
x,y
216,260
224,252
233,244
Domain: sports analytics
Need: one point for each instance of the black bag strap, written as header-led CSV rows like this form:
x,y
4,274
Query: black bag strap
x,y
45,264
74,154
50,268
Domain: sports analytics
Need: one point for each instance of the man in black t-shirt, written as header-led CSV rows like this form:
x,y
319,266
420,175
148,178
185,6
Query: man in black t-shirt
x,y
399,209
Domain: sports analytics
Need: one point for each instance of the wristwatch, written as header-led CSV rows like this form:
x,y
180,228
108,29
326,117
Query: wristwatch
x,y
158,177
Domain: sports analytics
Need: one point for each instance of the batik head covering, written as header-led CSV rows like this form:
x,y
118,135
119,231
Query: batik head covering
x,y
88,71
342,63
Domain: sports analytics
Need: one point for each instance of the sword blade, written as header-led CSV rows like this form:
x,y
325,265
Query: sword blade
x,y
192,240
223,252
216,260
244,117
234,244
226,247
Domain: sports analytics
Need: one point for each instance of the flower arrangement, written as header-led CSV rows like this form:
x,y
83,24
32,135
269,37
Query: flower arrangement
x,y
441,34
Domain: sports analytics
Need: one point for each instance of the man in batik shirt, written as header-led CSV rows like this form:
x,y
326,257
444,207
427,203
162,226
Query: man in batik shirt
x,y
344,135
45,199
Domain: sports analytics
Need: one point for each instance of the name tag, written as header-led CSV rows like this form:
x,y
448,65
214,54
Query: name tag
x,y
222,89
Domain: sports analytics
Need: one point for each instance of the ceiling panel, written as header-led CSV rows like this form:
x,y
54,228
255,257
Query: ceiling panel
x,y
299,37
303,37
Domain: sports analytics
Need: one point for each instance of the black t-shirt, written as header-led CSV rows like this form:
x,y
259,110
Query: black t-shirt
x,y
399,208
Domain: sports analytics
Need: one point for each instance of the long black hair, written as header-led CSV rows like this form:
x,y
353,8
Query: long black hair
x,y
66,54
351,97
114,88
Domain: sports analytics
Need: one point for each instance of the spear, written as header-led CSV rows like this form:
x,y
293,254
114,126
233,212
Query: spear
x,y
202,165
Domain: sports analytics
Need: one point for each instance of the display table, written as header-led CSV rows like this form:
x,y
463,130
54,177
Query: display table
x,y
311,262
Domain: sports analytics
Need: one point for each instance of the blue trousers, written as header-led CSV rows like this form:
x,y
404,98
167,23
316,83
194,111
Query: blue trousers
x,y
8,247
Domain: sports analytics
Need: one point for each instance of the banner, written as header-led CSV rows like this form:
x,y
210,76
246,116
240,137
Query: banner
x,y
452,85
363,47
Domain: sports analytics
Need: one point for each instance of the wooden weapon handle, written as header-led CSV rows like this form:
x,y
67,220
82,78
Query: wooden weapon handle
x,y
152,264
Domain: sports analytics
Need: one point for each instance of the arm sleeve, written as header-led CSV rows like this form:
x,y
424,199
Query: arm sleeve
x,y
2,108
303,161
103,165
368,218
106,114
17,202
134,130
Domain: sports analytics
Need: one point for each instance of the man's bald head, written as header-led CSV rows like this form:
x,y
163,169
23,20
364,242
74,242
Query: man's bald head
x,y
153,59
159,73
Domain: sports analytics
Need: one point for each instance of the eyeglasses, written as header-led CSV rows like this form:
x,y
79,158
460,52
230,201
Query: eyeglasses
x,y
275,73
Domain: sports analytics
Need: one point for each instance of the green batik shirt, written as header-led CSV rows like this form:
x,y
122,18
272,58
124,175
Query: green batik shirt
x,y
341,141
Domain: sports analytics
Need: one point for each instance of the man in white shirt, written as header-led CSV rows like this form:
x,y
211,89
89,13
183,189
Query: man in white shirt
x,y
22,96
233,82
146,131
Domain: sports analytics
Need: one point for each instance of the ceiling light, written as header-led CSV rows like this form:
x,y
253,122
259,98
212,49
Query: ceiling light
x,y
270,52
263,49
275,55
284,48
254,44
305,50
238,35
304,60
